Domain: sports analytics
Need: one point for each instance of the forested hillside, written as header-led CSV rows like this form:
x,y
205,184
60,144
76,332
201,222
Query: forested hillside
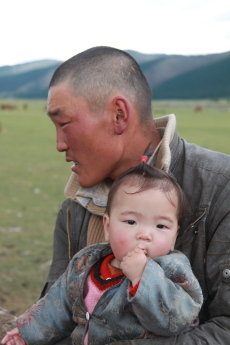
x,y
170,76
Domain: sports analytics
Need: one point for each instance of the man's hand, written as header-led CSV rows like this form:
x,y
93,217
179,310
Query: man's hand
x,y
13,338
133,265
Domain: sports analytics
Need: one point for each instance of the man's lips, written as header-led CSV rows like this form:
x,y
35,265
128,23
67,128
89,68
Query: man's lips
x,y
74,167
75,164
68,160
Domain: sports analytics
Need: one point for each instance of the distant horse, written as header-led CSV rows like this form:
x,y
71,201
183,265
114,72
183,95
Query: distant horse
x,y
198,108
8,106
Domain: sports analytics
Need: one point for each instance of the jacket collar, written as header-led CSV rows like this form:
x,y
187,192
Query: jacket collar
x,y
95,199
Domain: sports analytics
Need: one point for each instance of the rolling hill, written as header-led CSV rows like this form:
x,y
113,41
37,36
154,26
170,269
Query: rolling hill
x,y
170,76
208,81
28,80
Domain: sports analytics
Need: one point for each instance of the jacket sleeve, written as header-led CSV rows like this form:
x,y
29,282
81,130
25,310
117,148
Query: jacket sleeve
x,y
70,235
50,319
60,258
169,297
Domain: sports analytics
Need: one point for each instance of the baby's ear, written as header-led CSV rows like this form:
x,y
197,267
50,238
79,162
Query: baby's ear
x,y
106,226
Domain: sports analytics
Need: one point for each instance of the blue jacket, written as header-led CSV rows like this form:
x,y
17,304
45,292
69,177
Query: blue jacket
x,y
167,302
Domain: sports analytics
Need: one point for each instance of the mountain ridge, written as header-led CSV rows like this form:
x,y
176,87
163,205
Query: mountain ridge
x,y
169,76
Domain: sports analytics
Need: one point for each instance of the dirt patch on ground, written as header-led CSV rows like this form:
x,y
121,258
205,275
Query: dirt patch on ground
x,y
7,322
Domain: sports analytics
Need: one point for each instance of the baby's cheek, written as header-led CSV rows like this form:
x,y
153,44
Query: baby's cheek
x,y
120,247
162,249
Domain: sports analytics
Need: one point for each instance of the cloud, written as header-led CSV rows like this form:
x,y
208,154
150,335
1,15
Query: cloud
x,y
59,30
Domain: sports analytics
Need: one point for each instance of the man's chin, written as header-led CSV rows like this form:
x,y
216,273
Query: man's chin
x,y
85,183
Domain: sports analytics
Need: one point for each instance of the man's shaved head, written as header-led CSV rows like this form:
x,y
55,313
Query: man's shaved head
x,y
101,72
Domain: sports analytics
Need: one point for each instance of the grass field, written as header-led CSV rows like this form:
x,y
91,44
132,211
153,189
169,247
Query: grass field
x,y
33,176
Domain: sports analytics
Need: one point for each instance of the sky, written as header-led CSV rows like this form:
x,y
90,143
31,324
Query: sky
x,y
54,29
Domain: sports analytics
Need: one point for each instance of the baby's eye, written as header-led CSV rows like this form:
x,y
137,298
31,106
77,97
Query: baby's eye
x,y
130,222
161,226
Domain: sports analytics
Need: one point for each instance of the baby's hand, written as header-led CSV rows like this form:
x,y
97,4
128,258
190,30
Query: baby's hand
x,y
13,338
133,265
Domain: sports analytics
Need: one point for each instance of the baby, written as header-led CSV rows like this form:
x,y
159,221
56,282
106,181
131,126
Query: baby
x,y
134,286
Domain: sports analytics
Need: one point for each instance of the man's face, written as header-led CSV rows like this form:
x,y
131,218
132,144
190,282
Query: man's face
x,y
145,220
87,139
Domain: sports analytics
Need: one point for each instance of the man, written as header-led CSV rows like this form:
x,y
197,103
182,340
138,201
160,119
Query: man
x,y
100,104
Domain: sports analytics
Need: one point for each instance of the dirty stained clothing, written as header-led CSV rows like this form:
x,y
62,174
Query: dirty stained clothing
x,y
167,302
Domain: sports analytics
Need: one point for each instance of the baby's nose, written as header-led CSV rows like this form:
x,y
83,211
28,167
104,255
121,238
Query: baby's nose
x,y
145,236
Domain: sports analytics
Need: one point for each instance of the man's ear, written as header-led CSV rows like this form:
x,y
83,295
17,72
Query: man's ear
x,y
121,110
106,226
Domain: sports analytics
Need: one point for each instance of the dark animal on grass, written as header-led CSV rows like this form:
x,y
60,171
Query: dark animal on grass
x,y
7,106
198,108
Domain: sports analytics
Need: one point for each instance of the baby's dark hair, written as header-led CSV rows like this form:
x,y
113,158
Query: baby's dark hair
x,y
146,177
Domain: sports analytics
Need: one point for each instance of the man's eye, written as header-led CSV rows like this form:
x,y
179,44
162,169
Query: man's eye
x,y
161,226
130,222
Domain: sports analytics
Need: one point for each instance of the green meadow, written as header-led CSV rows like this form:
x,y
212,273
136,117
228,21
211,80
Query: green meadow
x,y
33,176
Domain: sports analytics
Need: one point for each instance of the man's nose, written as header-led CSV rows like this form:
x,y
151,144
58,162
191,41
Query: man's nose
x,y
61,146
60,143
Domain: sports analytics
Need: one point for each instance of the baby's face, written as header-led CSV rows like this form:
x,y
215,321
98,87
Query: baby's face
x,y
147,220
